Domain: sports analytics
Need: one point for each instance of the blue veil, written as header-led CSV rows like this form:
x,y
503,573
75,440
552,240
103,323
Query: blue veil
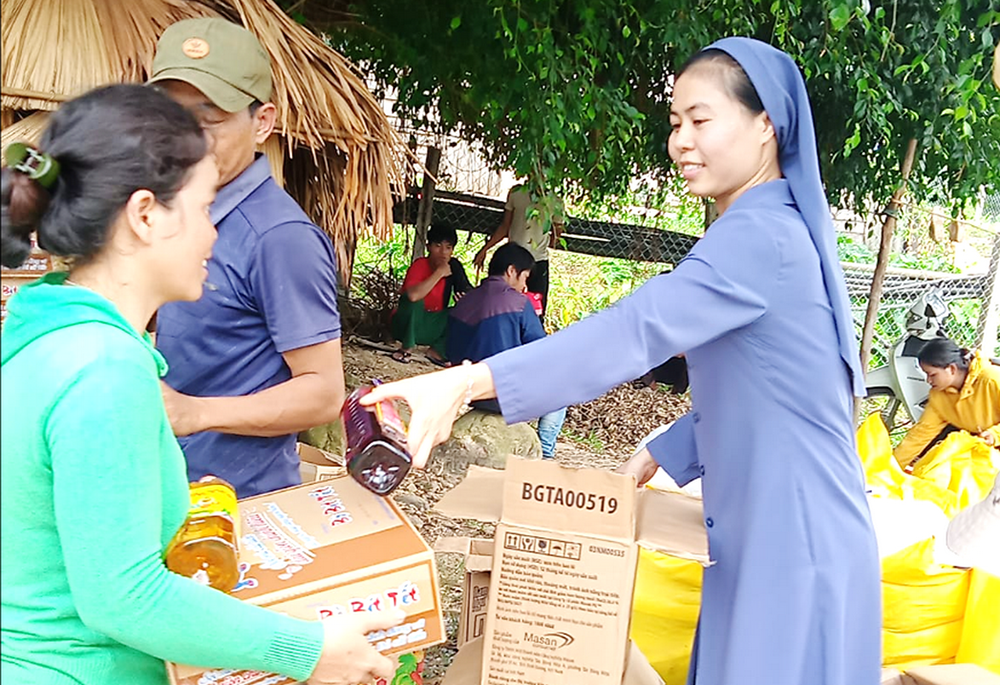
x,y
783,93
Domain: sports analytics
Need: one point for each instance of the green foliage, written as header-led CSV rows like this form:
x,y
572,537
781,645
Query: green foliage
x,y
665,206
577,90
854,252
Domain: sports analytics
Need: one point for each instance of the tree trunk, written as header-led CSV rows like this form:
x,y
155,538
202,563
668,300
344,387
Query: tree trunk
x,y
426,207
875,295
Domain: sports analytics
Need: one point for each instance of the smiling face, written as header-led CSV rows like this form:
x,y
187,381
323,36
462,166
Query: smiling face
x,y
721,147
184,235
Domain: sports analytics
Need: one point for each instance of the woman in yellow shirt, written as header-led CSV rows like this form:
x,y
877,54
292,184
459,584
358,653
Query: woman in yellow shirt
x,y
965,395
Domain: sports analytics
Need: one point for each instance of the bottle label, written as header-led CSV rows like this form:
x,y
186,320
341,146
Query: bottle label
x,y
390,420
215,499
210,498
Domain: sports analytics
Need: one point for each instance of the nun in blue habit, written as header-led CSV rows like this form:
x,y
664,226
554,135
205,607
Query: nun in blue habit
x,y
760,309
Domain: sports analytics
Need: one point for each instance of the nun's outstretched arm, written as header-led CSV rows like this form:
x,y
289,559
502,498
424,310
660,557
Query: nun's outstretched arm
x,y
723,285
670,314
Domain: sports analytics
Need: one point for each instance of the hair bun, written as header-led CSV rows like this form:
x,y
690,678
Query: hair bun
x,y
24,201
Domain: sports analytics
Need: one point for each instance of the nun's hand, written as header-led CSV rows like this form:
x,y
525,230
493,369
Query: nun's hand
x,y
641,465
434,400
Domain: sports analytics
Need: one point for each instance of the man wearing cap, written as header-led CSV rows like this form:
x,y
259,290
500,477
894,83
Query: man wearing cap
x,y
257,359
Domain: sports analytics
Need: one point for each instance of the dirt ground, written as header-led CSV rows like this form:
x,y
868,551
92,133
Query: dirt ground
x,y
598,434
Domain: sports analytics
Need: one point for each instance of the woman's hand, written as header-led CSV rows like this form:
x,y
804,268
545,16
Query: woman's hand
x,y
641,465
348,658
988,438
434,400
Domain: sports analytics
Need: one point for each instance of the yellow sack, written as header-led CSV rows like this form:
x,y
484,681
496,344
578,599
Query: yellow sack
x,y
923,605
886,479
961,464
882,472
665,607
980,642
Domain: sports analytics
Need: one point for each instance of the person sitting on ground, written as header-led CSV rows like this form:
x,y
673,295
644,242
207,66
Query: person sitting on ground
x,y
496,316
422,317
965,395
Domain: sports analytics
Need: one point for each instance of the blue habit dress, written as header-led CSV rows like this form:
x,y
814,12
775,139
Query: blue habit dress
x,y
794,595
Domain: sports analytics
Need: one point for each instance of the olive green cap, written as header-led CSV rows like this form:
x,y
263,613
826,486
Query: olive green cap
x,y
221,59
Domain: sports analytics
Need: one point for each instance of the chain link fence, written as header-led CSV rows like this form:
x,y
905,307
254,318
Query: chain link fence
x,y
969,294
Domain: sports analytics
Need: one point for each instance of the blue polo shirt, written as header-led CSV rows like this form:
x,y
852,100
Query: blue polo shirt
x,y
273,288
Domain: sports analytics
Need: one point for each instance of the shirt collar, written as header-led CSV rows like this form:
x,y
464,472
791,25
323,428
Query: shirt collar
x,y
237,190
498,282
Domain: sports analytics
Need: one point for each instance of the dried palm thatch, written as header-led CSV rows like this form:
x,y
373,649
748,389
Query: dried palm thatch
x,y
335,150
28,129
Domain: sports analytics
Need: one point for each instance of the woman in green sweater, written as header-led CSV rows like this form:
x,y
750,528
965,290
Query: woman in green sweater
x,y
93,481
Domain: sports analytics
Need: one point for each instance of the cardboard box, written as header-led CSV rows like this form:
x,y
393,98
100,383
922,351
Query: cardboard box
x,y
564,562
9,285
328,548
466,667
950,674
478,561
316,464
35,266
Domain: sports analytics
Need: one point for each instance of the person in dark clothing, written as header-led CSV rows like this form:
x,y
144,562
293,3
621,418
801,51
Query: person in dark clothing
x,y
496,316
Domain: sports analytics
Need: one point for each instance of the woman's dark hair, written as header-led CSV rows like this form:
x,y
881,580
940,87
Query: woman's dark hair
x,y
109,143
942,352
513,255
736,81
442,234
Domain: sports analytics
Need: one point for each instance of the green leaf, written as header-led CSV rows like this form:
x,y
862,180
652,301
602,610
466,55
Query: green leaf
x,y
839,16
456,21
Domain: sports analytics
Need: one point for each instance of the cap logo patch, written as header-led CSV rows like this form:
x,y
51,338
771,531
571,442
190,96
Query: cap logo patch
x,y
195,48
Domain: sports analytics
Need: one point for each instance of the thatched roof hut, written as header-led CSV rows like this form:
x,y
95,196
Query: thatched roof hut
x,y
334,149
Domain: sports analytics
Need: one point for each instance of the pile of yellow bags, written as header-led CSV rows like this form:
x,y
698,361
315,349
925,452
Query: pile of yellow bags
x,y
932,613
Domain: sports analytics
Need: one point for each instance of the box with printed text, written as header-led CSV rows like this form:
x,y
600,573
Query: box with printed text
x,y
328,548
563,568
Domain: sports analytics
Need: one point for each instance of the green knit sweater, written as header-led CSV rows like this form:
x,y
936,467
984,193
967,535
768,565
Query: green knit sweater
x,y
93,487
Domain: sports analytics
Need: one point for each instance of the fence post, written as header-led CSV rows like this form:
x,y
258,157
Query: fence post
x,y
989,313
885,243
426,207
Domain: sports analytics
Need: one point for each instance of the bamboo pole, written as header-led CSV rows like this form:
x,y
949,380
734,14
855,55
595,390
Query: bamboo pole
x,y
888,226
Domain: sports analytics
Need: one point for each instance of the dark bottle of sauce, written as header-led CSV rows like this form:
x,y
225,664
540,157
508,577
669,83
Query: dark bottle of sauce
x,y
376,443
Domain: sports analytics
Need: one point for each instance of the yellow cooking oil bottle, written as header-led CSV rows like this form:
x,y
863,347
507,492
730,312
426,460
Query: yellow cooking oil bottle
x,y
206,548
